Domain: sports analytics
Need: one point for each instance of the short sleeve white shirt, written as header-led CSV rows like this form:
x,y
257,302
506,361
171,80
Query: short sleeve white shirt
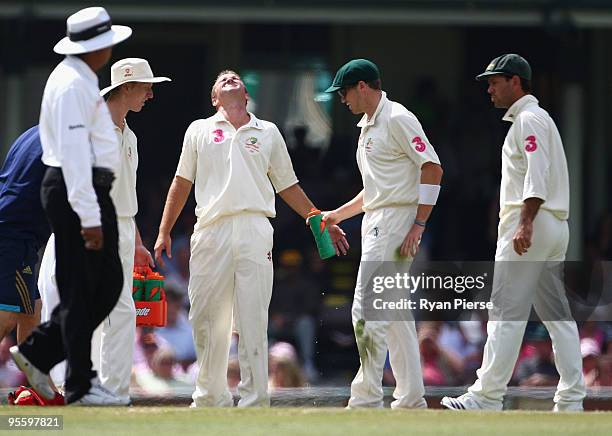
x,y
391,150
533,160
234,171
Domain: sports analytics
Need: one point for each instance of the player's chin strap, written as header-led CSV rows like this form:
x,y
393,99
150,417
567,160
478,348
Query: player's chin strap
x,y
428,194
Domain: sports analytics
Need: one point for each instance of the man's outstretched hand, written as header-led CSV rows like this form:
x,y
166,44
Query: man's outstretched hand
x,y
338,238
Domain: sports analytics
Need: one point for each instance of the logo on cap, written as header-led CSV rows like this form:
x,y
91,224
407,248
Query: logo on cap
x,y
128,72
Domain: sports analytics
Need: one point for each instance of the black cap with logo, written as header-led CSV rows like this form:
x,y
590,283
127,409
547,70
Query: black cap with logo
x,y
508,64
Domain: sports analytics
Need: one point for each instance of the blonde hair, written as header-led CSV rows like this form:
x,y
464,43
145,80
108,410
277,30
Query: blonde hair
x,y
286,373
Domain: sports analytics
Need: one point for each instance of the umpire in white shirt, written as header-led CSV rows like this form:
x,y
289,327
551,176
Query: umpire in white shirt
x,y
77,134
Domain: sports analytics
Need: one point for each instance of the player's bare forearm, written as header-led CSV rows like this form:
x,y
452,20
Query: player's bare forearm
x,y
521,240
431,174
138,237
350,208
142,256
297,200
530,209
177,197
423,212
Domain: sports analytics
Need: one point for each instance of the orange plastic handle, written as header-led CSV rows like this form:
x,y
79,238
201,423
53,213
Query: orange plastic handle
x,y
313,212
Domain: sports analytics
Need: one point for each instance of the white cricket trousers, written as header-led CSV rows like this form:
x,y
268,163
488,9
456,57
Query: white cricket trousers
x,y
112,347
520,283
382,232
231,273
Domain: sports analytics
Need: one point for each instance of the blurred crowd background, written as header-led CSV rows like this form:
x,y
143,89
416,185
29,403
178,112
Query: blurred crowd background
x,y
287,54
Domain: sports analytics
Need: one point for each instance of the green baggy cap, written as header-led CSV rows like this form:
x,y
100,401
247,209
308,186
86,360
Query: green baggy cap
x,y
354,71
508,64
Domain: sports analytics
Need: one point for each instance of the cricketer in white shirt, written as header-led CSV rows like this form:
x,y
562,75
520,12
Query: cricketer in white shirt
x,y
533,166
401,176
532,241
236,161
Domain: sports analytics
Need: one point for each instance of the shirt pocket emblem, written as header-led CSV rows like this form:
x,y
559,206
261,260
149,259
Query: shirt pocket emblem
x,y
369,145
252,145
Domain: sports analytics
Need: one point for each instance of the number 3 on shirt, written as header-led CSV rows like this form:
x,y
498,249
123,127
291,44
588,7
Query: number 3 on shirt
x,y
531,145
419,144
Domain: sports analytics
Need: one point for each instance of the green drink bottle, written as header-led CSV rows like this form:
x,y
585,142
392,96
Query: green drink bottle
x,y
153,286
138,287
321,235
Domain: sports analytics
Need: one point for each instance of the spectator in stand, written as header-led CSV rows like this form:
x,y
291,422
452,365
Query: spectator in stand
x,y
604,371
176,269
10,375
177,332
441,367
607,328
462,346
294,309
166,375
233,373
592,330
589,348
147,343
538,368
285,369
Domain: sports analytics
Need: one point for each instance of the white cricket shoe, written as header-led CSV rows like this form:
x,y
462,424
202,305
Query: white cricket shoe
x,y
99,396
464,402
38,379
574,406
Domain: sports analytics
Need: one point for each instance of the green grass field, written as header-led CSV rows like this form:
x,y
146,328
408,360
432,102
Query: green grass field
x,y
180,421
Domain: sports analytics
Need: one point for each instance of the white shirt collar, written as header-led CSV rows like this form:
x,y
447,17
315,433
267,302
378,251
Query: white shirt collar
x,y
364,120
125,127
518,106
78,64
254,122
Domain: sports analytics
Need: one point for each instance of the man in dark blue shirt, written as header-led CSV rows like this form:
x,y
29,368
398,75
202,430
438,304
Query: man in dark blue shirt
x,y
23,230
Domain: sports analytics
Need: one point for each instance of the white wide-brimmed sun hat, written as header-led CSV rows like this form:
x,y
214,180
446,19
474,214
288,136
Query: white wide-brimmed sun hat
x,y
131,70
88,30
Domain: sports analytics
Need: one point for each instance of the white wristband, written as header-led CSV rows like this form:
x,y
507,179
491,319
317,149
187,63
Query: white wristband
x,y
428,194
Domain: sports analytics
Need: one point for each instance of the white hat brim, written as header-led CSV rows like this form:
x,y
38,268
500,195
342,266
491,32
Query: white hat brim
x,y
146,80
114,36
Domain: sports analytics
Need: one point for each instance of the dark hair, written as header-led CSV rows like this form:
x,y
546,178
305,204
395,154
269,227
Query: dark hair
x,y
375,84
525,84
